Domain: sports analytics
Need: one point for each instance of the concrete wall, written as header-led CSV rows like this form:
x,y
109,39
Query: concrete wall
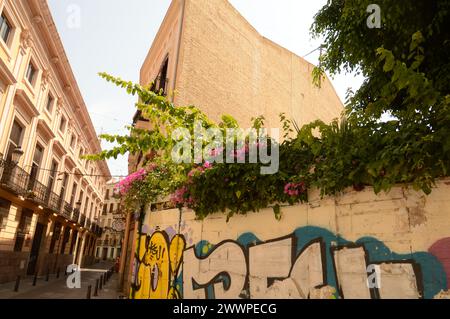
x,y
356,245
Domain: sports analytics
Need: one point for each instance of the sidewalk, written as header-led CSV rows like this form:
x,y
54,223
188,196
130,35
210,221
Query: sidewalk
x,y
56,288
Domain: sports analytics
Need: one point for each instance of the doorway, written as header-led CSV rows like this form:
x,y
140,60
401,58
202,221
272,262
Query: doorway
x,y
35,247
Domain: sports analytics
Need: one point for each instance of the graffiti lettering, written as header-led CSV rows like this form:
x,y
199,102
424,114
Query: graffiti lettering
x,y
310,263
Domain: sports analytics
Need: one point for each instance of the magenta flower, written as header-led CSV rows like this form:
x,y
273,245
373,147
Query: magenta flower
x,y
125,184
207,165
294,189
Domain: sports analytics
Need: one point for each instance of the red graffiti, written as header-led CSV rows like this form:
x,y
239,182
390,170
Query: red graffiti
x,y
441,250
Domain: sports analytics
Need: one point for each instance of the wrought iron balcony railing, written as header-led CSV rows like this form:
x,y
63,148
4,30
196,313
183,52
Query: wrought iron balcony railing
x,y
37,192
75,215
67,211
18,181
14,178
82,220
54,202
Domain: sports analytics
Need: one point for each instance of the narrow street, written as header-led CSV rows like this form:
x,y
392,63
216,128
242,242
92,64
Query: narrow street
x,y
56,288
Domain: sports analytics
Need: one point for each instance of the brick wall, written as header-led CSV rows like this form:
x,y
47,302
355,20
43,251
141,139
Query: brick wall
x,y
227,67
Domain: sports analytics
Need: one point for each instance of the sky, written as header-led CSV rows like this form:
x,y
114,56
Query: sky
x,y
114,36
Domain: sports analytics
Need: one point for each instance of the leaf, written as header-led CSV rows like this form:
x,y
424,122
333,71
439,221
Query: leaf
x,y
277,212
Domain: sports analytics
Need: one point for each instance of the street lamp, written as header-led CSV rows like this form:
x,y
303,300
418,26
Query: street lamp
x,y
16,155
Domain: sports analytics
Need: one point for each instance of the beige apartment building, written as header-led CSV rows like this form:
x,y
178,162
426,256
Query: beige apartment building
x,y
211,57
112,222
50,198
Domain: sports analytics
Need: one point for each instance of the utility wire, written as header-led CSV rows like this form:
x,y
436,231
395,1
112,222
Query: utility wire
x,y
318,48
80,174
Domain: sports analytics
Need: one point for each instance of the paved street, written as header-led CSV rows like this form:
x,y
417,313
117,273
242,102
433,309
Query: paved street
x,y
56,288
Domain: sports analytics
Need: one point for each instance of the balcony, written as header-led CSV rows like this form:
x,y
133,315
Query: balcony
x,y
82,220
13,178
67,210
54,202
75,215
16,180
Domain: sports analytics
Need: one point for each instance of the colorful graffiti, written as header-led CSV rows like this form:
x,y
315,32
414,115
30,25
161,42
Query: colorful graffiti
x,y
441,250
158,262
310,263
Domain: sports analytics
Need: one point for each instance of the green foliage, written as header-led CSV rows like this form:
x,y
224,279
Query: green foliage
x,y
406,66
351,46
160,180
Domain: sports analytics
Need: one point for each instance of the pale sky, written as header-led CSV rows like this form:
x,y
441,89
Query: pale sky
x,y
115,36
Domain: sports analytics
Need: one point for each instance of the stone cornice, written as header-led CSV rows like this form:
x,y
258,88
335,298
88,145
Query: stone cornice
x,y
43,21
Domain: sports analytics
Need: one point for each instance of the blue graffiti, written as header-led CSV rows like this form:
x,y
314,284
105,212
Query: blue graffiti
x,y
433,276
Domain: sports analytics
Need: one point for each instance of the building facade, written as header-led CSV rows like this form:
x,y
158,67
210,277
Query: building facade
x,y
208,54
112,221
50,198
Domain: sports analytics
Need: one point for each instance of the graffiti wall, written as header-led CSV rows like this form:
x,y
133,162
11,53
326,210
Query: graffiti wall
x,y
357,245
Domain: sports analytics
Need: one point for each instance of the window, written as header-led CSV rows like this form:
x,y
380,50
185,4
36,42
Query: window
x,y
86,205
74,193
105,208
5,28
52,176
81,152
62,193
4,212
65,240
62,124
15,139
49,105
31,72
73,140
37,159
107,194
80,198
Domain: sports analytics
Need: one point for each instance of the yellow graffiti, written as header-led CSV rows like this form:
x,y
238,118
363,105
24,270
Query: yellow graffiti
x,y
159,263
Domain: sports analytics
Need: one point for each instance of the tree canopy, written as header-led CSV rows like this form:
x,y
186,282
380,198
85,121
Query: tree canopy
x,y
351,45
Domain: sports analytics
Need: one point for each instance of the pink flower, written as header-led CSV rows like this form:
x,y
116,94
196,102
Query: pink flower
x,y
207,165
181,197
125,184
294,189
